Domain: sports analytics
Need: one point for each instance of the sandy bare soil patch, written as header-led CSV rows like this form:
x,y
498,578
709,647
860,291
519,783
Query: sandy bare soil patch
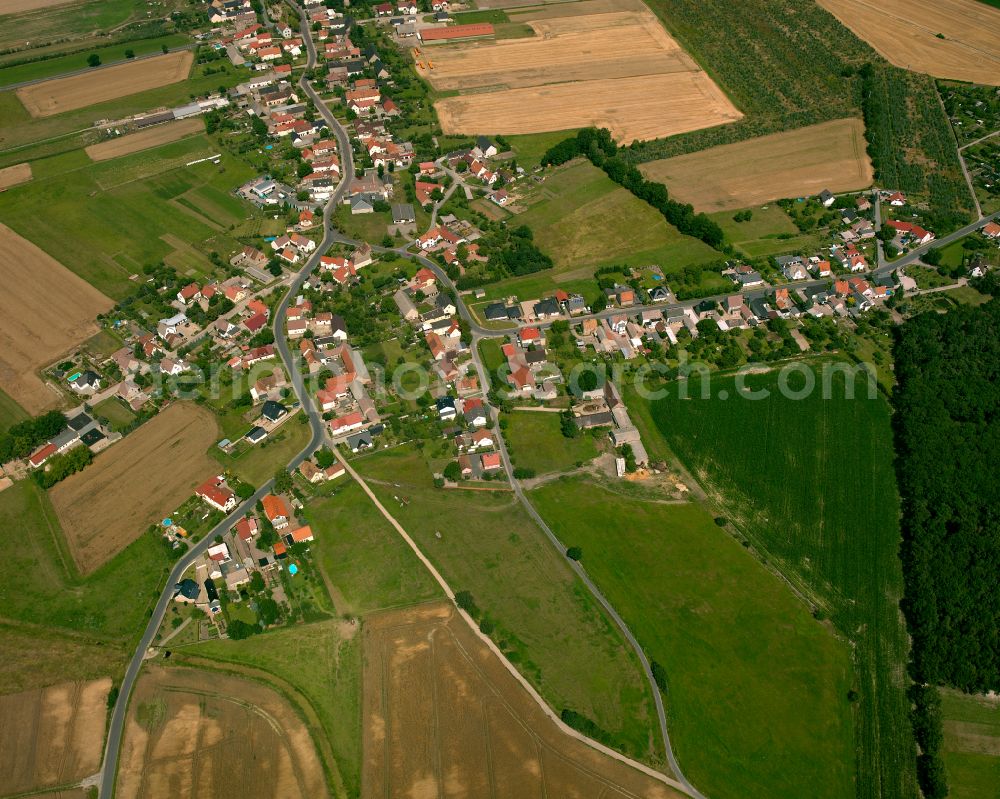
x,y
44,310
795,163
19,6
443,717
52,736
631,108
199,735
14,175
144,139
906,33
132,484
604,62
78,91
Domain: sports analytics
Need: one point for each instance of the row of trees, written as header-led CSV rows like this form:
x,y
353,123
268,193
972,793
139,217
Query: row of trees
x,y
25,437
597,145
59,467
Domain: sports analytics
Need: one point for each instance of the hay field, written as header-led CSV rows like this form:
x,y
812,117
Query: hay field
x,y
795,163
145,139
906,33
14,175
201,734
600,62
55,96
44,310
52,736
132,484
443,716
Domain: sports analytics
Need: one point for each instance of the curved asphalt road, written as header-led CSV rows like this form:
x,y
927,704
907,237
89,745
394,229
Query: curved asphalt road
x,y
116,727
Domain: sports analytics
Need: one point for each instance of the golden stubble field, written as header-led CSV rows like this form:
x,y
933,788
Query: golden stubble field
x,y
906,33
45,310
133,483
79,91
14,175
796,163
442,716
608,63
207,735
51,736
145,139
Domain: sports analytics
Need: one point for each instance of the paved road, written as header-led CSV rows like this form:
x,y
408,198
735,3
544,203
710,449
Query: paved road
x,y
96,70
116,727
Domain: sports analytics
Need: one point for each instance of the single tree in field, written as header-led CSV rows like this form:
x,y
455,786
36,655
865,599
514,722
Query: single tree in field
x,y
130,53
93,60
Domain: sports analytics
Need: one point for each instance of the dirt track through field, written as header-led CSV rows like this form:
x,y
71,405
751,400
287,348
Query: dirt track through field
x,y
14,175
44,310
79,91
52,736
144,139
906,33
796,163
207,735
443,717
599,62
134,483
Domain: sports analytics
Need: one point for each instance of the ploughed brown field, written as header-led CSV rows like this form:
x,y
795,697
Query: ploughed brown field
x,y
442,716
52,736
599,62
906,33
796,163
207,735
78,91
45,310
14,175
133,483
144,139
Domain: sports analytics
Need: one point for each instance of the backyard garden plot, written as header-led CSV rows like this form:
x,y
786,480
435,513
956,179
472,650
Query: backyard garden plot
x,y
796,163
145,139
442,716
958,39
199,734
51,736
132,484
44,311
615,67
79,91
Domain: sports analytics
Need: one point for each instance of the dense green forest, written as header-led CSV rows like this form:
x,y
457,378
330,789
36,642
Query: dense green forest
x,y
947,436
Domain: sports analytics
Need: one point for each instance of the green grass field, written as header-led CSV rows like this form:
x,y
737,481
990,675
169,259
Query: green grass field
x,y
43,591
530,147
257,463
321,666
88,216
77,20
10,412
546,622
810,483
769,231
536,442
489,350
757,689
368,566
971,745
583,220
53,67
116,412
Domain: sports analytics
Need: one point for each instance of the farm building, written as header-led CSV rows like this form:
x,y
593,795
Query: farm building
x,y
456,32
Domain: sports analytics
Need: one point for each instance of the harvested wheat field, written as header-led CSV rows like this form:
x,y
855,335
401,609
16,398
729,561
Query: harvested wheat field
x,y
14,175
207,735
906,33
442,716
144,139
53,736
109,83
19,6
796,163
44,310
132,484
599,62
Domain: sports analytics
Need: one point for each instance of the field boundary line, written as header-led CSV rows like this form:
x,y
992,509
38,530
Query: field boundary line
x,y
522,680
